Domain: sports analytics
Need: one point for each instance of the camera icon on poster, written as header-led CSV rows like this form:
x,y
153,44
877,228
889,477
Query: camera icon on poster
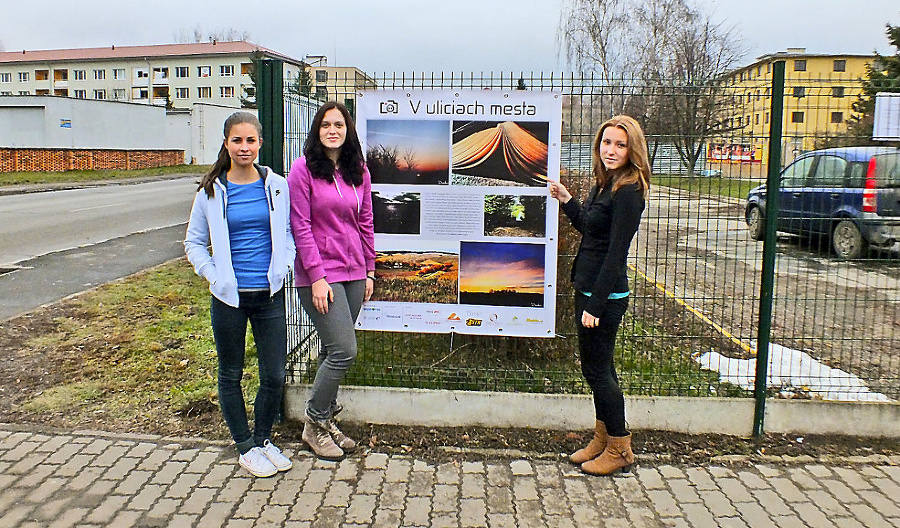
x,y
389,107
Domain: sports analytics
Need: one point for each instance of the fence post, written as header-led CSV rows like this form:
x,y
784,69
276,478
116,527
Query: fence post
x,y
270,102
767,283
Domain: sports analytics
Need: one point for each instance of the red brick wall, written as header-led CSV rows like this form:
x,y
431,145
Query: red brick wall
x,y
57,160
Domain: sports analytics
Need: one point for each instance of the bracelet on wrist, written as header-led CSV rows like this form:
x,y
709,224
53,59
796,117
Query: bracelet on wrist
x,y
371,277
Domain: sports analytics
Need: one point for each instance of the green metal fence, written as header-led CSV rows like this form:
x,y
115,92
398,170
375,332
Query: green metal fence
x,y
704,292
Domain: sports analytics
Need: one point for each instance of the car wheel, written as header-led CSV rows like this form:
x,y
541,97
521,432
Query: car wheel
x,y
756,224
847,240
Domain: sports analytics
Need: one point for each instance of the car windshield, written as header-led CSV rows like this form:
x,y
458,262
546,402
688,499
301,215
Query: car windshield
x,y
887,170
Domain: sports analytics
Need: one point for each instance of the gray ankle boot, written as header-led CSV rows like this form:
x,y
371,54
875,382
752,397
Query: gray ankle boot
x,y
343,441
319,440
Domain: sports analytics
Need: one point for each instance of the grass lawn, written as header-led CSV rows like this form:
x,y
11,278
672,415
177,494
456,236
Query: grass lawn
x,y
79,176
727,187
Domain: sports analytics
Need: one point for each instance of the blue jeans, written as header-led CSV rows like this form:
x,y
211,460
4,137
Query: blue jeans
x,y
229,324
597,346
337,332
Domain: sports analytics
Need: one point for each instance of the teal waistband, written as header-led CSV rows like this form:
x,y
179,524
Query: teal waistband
x,y
611,295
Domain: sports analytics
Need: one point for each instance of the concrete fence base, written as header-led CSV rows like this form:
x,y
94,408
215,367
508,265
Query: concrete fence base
x,y
732,416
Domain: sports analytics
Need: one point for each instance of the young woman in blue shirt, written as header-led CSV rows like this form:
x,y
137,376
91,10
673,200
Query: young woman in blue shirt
x,y
242,209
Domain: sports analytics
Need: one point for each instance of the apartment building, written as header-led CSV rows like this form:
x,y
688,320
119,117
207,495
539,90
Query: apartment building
x,y
174,75
339,83
819,91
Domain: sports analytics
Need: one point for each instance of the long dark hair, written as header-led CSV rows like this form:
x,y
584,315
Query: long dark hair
x,y
223,162
350,159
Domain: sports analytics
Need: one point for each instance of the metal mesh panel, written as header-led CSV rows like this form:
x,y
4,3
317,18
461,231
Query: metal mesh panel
x,y
692,323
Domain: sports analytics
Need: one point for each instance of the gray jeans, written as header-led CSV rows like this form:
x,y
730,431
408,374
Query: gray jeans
x,y
337,334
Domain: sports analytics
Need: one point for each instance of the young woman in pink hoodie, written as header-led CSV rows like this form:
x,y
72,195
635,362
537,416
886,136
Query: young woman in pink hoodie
x,y
331,220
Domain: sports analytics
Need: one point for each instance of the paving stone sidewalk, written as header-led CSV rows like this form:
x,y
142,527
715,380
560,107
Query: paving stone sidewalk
x,y
98,479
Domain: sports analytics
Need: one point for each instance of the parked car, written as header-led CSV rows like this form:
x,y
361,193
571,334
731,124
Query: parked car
x,y
850,195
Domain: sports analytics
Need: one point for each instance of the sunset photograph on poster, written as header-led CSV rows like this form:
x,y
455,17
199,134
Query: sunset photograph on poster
x,y
408,152
501,274
499,153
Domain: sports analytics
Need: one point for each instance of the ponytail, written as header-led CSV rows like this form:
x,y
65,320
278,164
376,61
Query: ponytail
x,y
223,163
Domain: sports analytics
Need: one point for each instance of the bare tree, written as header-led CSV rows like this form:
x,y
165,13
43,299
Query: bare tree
x,y
197,35
409,158
676,52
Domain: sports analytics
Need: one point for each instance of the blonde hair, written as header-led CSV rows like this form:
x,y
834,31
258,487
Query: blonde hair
x,y
638,168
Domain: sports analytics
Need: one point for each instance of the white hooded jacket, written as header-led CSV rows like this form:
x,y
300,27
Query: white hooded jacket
x,y
208,222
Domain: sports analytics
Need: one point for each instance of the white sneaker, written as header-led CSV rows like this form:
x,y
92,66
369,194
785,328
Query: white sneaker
x,y
257,463
281,462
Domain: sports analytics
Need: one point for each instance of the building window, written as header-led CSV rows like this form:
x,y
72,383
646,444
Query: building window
x,y
182,71
119,94
226,91
80,94
800,65
139,93
768,67
322,76
204,71
100,94
742,76
740,122
246,68
141,73
749,96
41,75
23,76
799,91
322,92
119,74
5,93
182,93
767,118
796,117
840,65
160,73
204,92
100,75
837,91
758,71
226,70
79,75
755,119
837,117
60,75
24,92
5,77
249,91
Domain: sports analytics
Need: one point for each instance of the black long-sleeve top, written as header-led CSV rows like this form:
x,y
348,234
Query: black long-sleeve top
x,y
607,222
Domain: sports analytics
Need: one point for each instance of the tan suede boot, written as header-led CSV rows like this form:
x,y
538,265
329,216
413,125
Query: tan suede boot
x,y
343,441
616,456
594,448
318,438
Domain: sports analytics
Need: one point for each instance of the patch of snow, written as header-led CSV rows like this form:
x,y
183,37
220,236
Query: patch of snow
x,y
789,368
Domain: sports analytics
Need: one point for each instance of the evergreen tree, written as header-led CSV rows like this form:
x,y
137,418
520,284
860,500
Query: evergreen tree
x,y
883,75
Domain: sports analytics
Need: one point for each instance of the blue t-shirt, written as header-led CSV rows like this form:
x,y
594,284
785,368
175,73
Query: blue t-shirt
x,y
249,233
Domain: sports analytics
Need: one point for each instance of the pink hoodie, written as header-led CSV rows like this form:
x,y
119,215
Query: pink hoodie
x,y
332,226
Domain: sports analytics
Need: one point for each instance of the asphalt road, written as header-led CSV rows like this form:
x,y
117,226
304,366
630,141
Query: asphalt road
x,y
57,243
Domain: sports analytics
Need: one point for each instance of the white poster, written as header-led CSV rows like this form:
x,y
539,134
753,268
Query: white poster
x,y
465,230
887,117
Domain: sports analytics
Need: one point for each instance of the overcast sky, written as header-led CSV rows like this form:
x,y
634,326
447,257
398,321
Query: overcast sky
x,y
421,35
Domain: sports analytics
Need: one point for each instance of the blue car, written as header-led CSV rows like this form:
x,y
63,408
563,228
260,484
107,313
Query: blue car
x,y
850,195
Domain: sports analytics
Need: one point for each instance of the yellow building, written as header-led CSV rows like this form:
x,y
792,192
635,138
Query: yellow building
x,y
337,83
819,90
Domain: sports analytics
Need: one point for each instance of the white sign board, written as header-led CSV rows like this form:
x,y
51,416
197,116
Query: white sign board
x,y
465,230
887,117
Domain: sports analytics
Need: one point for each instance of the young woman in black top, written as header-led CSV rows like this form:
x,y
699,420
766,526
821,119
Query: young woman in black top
x,y
607,221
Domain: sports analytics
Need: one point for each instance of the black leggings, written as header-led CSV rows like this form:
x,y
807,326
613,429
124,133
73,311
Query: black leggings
x,y
596,346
